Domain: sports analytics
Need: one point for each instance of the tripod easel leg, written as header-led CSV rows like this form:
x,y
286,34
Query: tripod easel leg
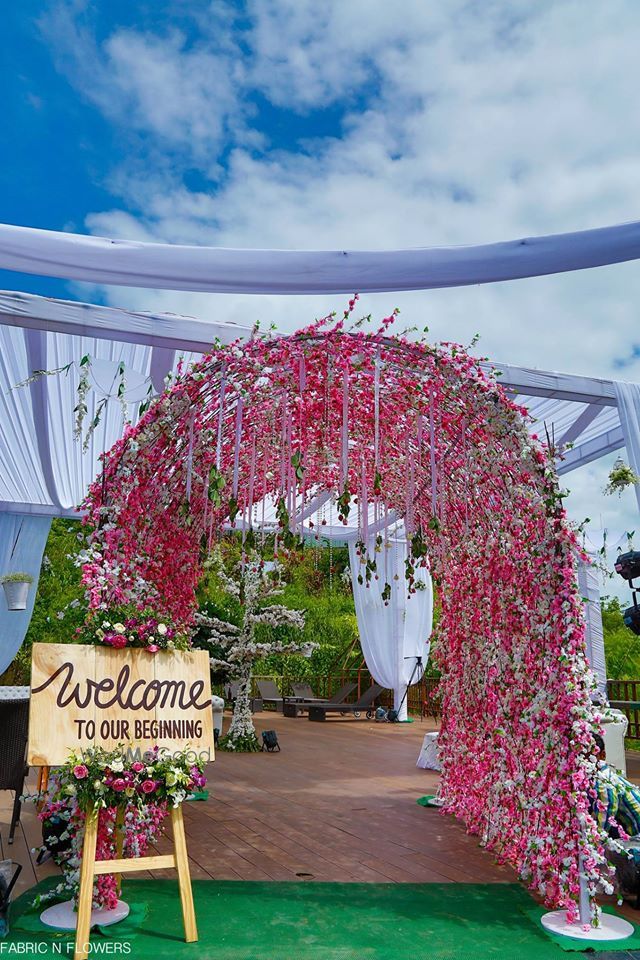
x,y
85,895
184,878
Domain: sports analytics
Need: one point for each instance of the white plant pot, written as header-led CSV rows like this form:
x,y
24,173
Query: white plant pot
x,y
17,593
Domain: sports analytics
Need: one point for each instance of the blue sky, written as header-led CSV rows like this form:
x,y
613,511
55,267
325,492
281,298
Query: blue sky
x,y
288,123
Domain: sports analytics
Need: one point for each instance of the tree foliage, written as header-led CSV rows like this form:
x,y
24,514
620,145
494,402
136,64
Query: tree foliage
x,y
621,645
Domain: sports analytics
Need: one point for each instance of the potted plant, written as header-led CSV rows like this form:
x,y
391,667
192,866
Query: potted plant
x,y
16,589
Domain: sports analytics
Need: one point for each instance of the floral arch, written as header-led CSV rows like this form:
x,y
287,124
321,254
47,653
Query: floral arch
x,y
389,425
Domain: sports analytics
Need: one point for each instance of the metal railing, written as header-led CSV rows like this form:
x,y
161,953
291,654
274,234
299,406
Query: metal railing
x,y
422,697
624,695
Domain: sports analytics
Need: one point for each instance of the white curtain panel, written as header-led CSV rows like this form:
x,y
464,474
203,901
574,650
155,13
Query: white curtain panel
x,y
589,585
40,461
219,270
22,543
628,396
395,636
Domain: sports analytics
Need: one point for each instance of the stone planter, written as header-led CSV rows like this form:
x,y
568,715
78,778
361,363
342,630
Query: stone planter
x,y
17,593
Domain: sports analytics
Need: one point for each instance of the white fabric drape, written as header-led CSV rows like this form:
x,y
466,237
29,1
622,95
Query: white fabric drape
x,y
628,397
220,270
589,585
22,543
40,462
395,637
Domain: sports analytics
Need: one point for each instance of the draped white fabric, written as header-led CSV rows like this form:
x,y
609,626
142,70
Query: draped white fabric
x,y
220,270
394,637
628,396
41,461
589,584
22,543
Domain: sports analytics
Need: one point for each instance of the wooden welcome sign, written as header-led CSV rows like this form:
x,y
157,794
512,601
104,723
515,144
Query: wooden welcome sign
x,y
87,696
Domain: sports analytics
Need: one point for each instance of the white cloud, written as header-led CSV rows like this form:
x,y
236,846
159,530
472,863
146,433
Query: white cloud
x,y
462,123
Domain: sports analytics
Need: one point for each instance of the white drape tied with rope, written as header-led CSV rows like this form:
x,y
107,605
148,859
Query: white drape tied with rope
x,y
395,637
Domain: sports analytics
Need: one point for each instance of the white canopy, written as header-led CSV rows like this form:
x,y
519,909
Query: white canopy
x,y
218,270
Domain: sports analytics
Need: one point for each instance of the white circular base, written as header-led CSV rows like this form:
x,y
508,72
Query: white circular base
x,y
62,916
611,927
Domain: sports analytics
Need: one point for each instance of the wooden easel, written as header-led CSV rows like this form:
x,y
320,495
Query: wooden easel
x,y
91,868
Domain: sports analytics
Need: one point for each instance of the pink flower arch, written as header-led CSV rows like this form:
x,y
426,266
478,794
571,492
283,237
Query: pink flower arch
x,y
389,424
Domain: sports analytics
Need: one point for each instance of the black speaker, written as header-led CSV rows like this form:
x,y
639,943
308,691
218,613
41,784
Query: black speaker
x,y
628,565
270,740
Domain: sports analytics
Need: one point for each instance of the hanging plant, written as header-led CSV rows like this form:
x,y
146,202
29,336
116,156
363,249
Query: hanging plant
x,y
16,589
621,477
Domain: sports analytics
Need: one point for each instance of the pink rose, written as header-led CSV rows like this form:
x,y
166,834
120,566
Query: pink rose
x,y
148,786
80,771
119,785
116,640
152,648
137,767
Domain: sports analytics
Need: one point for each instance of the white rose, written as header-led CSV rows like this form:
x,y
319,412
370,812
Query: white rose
x,y
162,629
71,790
117,766
119,627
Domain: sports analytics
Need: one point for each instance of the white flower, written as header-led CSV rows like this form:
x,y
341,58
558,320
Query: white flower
x,y
70,790
117,766
119,627
162,629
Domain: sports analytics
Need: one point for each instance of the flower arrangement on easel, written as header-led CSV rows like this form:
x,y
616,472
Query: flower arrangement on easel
x,y
132,799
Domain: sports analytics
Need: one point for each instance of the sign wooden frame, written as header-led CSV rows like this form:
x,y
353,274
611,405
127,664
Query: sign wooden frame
x,y
90,868
87,696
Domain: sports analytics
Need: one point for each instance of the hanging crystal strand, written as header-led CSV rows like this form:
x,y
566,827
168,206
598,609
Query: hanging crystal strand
x,y
466,470
302,382
247,504
223,386
205,512
283,447
264,497
386,544
376,429
344,464
331,544
407,495
236,449
432,457
289,469
190,458
364,499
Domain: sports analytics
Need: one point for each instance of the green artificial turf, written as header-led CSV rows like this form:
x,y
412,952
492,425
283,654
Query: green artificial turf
x,y
240,920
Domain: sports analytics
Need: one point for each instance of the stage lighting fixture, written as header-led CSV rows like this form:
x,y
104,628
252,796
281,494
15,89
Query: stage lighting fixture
x,y
632,618
628,565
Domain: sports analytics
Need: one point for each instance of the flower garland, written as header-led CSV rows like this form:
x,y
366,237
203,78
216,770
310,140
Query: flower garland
x,y
389,427
140,791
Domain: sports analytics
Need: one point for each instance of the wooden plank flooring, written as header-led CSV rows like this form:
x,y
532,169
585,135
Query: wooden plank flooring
x,y
338,803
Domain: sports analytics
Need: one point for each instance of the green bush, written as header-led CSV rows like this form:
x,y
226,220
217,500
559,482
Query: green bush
x,y
621,645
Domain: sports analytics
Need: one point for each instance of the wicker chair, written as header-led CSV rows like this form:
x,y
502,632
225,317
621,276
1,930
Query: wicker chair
x,y
14,728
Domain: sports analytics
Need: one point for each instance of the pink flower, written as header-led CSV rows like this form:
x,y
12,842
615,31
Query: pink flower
x,y
80,772
119,785
148,786
137,767
152,648
115,640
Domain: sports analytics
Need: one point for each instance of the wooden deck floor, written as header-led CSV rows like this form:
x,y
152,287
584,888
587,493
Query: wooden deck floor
x,y
337,803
